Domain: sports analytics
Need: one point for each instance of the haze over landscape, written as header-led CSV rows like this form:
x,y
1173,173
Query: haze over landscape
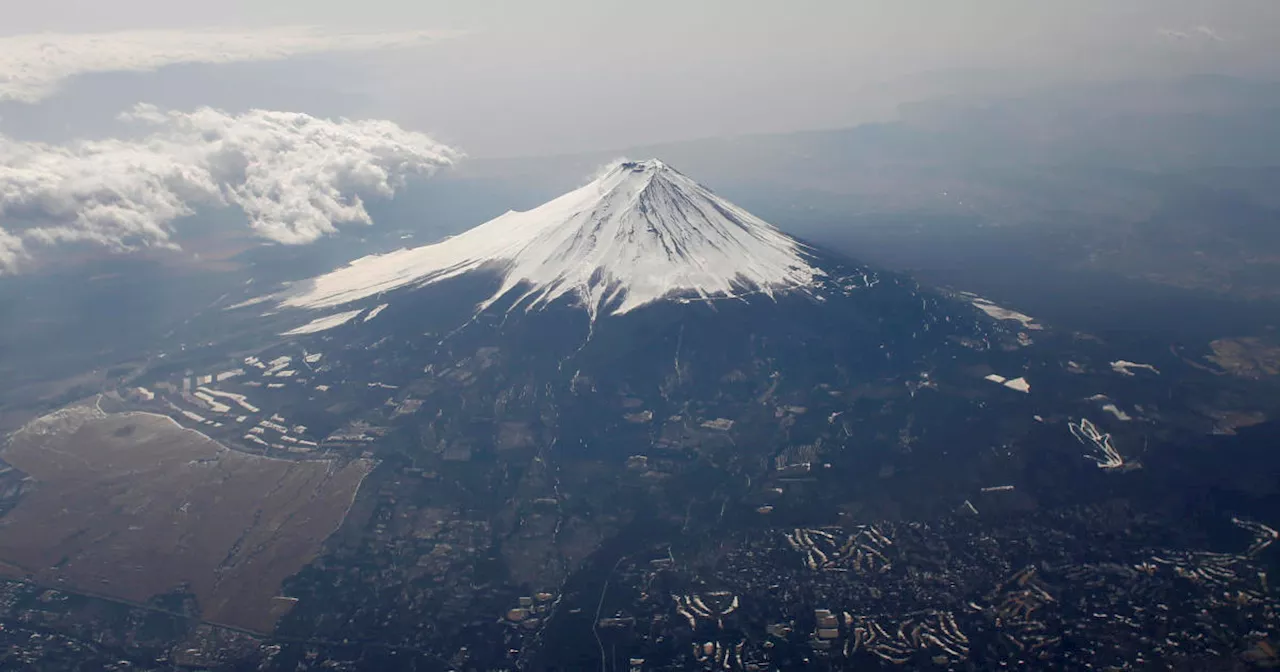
x,y
639,336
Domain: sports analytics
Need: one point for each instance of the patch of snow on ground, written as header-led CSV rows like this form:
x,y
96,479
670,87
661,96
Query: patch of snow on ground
x,y
1000,313
1020,384
1105,453
1126,368
1263,536
323,323
1115,410
251,302
240,399
214,405
374,313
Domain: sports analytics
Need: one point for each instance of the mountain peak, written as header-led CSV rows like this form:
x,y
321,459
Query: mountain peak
x,y
638,233
636,176
645,166
646,170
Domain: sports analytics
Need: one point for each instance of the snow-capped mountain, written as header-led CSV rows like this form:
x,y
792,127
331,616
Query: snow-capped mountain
x,y
640,313
639,369
638,233
634,423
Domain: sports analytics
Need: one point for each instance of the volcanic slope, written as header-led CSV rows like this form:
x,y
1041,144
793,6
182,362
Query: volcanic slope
x,y
642,312
637,362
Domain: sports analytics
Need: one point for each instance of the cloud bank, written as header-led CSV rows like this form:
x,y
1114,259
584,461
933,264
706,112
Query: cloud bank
x,y
33,66
296,178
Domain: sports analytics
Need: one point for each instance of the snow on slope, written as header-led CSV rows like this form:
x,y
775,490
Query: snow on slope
x,y
323,323
374,313
640,232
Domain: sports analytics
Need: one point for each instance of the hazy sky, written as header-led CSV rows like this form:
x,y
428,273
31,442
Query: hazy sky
x,y
119,119
569,75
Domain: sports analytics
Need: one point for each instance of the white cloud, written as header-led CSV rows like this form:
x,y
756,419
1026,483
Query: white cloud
x,y
1196,33
296,177
33,66
1208,33
11,250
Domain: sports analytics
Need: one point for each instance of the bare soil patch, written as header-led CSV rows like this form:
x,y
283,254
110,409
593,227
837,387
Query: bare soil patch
x,y
133,506
1246,357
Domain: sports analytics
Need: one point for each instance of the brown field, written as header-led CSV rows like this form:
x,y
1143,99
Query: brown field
x,y
132,506
1246,357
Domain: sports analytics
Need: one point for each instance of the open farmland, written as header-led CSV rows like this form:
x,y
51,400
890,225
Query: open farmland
x,y
133,506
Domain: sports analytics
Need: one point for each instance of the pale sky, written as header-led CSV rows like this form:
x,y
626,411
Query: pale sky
x,y
570,75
